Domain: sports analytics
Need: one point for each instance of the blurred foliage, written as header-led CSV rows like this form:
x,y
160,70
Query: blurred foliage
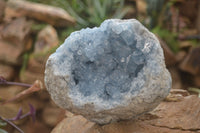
x,y
169,37
154,8
44,53
161,21
88,13
2,124
25,62
3,131
195,43
196,90
159,13
36,27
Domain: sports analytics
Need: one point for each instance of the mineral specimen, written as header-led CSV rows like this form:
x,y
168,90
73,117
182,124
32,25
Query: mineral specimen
x,y
109,73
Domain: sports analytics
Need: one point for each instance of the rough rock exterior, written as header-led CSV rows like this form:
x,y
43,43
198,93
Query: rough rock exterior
x,y
110,73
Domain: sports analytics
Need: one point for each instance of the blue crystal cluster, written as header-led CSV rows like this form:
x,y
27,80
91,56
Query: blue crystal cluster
x,y
105,60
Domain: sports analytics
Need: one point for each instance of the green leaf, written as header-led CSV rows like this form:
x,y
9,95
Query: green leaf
x,y
168,37
122,13
73,13
3,131
197,90
90,13
2,123
118,12
99,8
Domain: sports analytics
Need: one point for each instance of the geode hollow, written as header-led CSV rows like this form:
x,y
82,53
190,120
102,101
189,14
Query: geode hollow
x,y
108,73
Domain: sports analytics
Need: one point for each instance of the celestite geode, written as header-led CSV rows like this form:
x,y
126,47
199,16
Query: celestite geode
x,y
109,73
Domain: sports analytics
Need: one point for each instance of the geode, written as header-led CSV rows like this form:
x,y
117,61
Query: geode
x,y
108,73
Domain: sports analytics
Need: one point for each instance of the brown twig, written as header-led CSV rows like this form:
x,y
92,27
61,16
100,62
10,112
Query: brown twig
x,y
35,87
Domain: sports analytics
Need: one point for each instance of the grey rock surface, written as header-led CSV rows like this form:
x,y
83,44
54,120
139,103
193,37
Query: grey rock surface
x,y
109,73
